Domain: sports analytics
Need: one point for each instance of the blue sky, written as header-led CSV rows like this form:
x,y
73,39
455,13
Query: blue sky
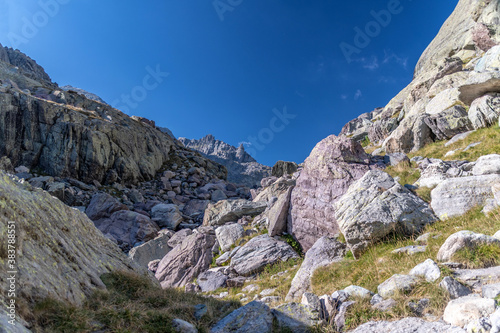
x,y
271,74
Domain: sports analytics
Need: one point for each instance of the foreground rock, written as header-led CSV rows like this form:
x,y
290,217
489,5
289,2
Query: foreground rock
x,y
323,253
375,206
296,317
231,210
252,318
461,240
228,234
333,165
53,237
187,260
407,325
461,311
397,284
260,252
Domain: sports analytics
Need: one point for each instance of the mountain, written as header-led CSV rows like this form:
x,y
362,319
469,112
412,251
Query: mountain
x,y
241,167
85,93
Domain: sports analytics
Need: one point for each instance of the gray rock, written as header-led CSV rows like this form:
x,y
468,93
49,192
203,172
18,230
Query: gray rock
x,y
270,299
461,311
324,252
231,210
186,261
228,234
489,62
296,317
341,315
260,252
278,214
179,237
251,318
396,158
7,327
495,322
282,168
491,290
419,308
167,216
456,196
476,278
311,301
375,206
411,135
358,292
397,284
443,101
458,137
385,305
407,325
481,325
103,206
463,239
450,122
488,164
152,250
454,288
136,196
227,256
199,311
218,195
182,326
485,111
411,249
376,299
429,270
211,280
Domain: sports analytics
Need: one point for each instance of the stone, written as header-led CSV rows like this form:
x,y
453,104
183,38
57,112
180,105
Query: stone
x,y
259,252
454,288
231,210
282,168
328,308
128,228
450,122
227,256
153,265
195,209
103,206
495,322
270,299
455,196
476,278
443,101
376,299
154,249
481,325
396,158
407,325
228,234
186,261
211,280
312,301
136,196
178,237
429,270
376,206
6,164
340,317
461,311
478,85
490,62
396,284
296,317
485,111
166,216
358,292
55,237
278,214
458,137
385,305
419,307
411,249
487,164
182,326
497,235
491,290
251,318
461,240
200,310
333,165
218,195
411,135
433,175
323,253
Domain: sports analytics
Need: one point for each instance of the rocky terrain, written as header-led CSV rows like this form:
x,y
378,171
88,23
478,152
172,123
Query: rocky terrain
x,y
394,225
241,167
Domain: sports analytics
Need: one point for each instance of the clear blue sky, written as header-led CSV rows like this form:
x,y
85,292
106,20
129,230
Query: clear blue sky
x,y
225,77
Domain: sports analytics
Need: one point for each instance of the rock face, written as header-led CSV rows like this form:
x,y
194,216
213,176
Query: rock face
x,y
485,111
407,325
228,234
323,253
52,237
375,206
242,168
333,165
186,261
231,210
251,318
461,240
26,65
448,123
260,252
85,93
282,168
153,250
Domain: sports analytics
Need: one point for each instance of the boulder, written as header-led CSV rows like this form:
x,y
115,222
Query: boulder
x,y
259,252
396,158
182,326
228,234
461,240
454,288
211,280
456,196
186,261
491,290
396,284
178,237
381,128
296,317
375,206
128,228
278,214
407,325
358,292
152,250
231,210
282,168
461,311
490,62
274,190
103,206
411,135
486,165
450,122
476,278
251,318
323,253
478,85
428,270
445,100
167,216
485,111
333,165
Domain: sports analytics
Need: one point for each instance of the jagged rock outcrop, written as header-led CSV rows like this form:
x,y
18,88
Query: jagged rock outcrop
x,y
85,93
25,64
242,168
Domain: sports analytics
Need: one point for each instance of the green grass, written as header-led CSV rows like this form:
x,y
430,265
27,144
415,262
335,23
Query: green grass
x,y
408,173
486,255
131,303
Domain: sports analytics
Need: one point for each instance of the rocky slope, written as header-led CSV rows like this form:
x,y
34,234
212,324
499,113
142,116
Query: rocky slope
x,y
85,93
241,167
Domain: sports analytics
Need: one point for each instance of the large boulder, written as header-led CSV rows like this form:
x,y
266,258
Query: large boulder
x,y
187,260
167,216
333,165
323,253
278,214
228,234
375,206
211,280
251,318
490,62
296,317
396,284
103,206
231,210
152,250
485,111
282,168
461,311
128,228
445,100
456,196
411,135
448,123
461,240
486,165
260,252
52,238
407,325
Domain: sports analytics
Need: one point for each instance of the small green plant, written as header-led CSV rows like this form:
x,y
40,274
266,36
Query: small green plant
x,y
365,142
290,240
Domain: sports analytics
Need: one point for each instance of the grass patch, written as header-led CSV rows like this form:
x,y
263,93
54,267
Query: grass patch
x,y
365,142
486,255
408,173
131,303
